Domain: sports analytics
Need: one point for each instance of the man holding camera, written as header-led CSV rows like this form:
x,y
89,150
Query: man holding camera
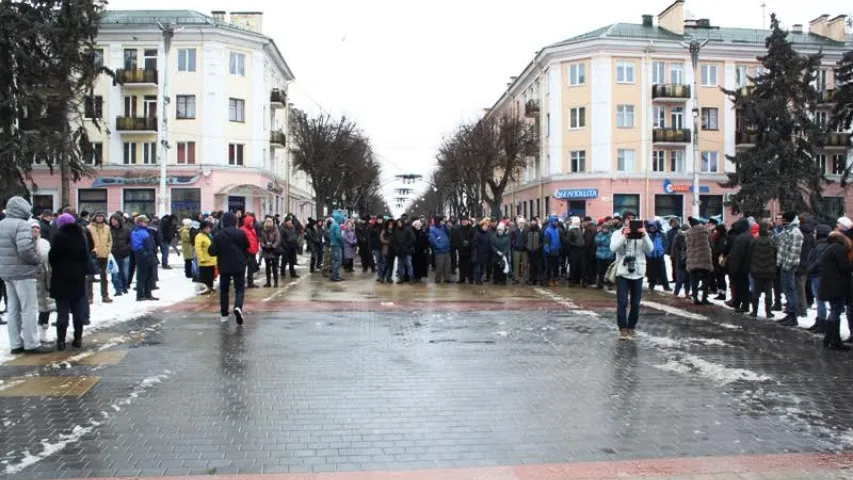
x,y
631,245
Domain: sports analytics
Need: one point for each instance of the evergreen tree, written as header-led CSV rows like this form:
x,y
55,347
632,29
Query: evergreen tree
x,y
779,109
843,97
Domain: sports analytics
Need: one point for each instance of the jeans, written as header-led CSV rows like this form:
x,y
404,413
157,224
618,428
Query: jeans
x,y
682,279
77,308
625,288
387,267
404,267
120,279
802,298
271,265
821,305
164,253
380,262
442,267
225,280
337,260
789,285
23,312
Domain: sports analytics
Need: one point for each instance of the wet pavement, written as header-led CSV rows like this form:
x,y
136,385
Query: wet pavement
x,y
432,381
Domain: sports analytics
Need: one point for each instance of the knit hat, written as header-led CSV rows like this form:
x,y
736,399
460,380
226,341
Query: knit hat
x,y
693,221
846,223
790,216
34,223
64,219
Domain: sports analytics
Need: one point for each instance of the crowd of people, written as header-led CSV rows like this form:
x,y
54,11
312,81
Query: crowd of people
x,y
50,263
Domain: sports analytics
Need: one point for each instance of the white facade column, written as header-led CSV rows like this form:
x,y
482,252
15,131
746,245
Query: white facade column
x,y
601,79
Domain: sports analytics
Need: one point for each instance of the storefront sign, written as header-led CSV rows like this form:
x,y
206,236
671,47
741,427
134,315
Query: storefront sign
x,y
275,188
576,193
135,181
671,188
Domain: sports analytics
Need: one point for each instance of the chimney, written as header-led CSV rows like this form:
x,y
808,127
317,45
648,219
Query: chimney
x,y
647,20
797,28
252,21
818,25
672,18
218,15
835,28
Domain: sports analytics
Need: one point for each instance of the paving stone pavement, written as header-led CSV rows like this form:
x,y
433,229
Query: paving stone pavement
x,y
476,382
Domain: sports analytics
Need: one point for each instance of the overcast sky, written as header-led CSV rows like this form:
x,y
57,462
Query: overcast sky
x,y
408,72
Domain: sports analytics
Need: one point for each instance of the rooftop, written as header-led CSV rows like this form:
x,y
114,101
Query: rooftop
x,y
153,17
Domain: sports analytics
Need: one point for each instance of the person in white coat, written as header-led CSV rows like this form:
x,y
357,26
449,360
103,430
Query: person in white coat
x,y
631,251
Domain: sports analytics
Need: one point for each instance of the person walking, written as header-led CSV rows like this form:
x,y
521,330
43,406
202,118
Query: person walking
x,y
231,248
270,247
762,254
45,302
520,257
336,242
814,267
603,255
144,246
463,237
187,249
552,252
69,262
700,263
101,248
534,254
439,240
251,253
19,268
206,262
122,252
788,260
631,254
835,285
289,246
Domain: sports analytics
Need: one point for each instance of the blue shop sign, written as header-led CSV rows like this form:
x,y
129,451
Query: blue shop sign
x,y
576,193
136,181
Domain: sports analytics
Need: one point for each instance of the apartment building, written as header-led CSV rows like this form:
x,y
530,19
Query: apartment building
x,y
615,114
227,115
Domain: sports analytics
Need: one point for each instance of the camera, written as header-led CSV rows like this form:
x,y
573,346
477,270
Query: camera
x,y
630,262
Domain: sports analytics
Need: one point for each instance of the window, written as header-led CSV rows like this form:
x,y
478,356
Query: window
x,y
677,74
625,116
625,160
820,159
578,160
658,117
577,74
235,154
658,161
186,202
658,73
677,115
669,205
626,202
676,161
577,117
93,107
150,59
709,162
547,205
130,59
129,153
186,59
149,153
237,64
186,153
149,106
741,77
710,206
236,110
98,57
97,154
709,75
538,204
92,199
821,117
130,106
42,203
185,107
710,119
821,81
140,200
625,72
839,164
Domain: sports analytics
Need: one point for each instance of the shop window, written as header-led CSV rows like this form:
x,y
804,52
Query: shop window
x,y
92,200
710,206
623,202
42,203
140,200
186,202
669,206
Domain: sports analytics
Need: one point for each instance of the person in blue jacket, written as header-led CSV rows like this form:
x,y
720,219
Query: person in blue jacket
x,y
336,241
656,266
439,240
552,252
144,248
603,255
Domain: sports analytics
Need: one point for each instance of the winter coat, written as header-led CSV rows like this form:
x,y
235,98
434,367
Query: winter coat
x,y
738,257
403,241
762,257
312,237
658,240
481,246
270,243
230,246
350,244
465,237
386,239
834,281
790,246
699,255
552,238
168,228
589,234
289,240
374,243
336,239
808,245
500,246
202,247
421,242
622,247
602,246
103,239
670,240
815,261
251,235
572,239
186,245
534,239
69,261
121,238
46,228
19,254
719,246
46,304
678,250
439,240
362,235
144,246
518,239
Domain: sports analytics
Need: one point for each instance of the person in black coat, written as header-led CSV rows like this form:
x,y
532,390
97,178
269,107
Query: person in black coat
x,y
481,250
738,265
804,294
460,239
69,260
420,254
403,246
719,248
365,253
374,244
835,286
121,253
230,247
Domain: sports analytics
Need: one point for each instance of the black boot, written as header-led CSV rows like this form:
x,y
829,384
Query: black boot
x,y
293,273
832,338
78,339
60,337
754,313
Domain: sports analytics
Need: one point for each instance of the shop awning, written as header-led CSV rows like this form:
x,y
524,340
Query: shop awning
x,y
244,190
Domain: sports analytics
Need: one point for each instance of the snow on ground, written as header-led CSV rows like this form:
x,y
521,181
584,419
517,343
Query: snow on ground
x,y
174,287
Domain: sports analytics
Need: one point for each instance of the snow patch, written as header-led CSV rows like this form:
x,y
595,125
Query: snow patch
x,y
49,448
502,334
673,310
729,326
721,374
386,304
666,342
6,384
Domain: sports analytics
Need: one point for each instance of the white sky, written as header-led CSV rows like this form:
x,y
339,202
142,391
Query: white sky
x,y
409,72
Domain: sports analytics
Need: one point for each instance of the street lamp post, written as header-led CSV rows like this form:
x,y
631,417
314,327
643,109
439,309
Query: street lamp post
x,y
695,47
163,132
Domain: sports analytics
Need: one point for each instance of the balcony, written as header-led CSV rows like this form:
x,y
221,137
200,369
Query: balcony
x,y
278,139
673,136
277,98
136,78
141,125
826,96
531,109
745,139
837,141
671,93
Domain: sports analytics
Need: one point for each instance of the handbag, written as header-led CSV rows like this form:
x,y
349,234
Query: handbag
x,y
610,274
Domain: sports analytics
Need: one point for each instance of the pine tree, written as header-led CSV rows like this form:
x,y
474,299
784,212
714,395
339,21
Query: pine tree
x,y
779,109
843,97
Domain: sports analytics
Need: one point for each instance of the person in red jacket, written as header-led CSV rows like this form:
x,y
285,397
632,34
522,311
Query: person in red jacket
x,y
252,259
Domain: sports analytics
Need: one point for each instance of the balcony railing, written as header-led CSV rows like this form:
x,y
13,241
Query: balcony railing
x,y
679,92
531,108
278,138
136,77
837,140
827,96
136,124
278,98
745,138
671,135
